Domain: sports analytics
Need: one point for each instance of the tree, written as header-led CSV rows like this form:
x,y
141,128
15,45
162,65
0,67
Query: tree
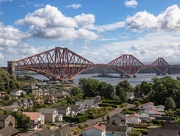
x,y
170,104
121,93
22,121
135,133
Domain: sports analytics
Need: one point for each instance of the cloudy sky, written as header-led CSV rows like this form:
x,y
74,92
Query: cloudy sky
x,y
99,30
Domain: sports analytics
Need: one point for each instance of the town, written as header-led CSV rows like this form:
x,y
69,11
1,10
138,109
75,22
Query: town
x,y
93,108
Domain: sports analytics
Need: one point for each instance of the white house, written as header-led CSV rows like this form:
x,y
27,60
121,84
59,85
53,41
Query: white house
x,y
37,119
146,106
153,112
133,118
95,130
160,108
17,92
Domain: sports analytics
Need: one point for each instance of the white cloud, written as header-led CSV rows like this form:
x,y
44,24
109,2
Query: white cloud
x,y
168,20
131,3
148,47
50,23
1,13
10,36
74,5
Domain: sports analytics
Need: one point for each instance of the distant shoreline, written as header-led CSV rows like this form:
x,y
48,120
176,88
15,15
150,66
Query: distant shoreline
x,y
107,75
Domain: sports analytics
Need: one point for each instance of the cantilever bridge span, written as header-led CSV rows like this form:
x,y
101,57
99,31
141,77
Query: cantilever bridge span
x,y
63,64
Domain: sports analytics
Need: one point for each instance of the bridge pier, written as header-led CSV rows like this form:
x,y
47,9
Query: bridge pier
x,y
11,68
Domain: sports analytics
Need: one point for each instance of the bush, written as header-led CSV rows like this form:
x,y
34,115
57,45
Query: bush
x,y
124,104
107,104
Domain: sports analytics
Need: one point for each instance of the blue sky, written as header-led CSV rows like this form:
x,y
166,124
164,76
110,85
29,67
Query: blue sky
x,y
99,30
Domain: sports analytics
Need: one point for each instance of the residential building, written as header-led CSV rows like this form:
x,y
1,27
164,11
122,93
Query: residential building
x,y
9,131
43,132
17,92
153,112
133,118
117,119
62,131
146,106
7,120
37,119
11,108
112,130
75,109
95,130
162,132
64,110
51,115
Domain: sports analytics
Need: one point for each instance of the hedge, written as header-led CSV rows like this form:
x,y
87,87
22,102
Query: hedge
x,y
107,104
112,102
76,119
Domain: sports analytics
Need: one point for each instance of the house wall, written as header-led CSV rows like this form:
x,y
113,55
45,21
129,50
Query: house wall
x,y
115,133
94,132
116,119
49,118
134,120
160,109
144,115
9,120
147,106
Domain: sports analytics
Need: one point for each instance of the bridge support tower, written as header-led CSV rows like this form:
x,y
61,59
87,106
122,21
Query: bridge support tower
x,y
11,68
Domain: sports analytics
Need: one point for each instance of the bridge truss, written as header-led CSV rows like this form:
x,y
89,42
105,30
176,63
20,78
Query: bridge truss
x,y
63,64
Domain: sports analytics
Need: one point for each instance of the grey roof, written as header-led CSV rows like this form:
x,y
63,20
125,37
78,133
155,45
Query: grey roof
x,y
15,90
75,107
8,131
47,110
3,117
62,131
162,132
171,125
43,132
11,108
89,102
116,128
119,115
61,107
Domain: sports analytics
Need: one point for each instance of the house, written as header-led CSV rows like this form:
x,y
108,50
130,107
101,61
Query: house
x,y
9,131
75,109
133,118
49,99
112,130
32,88
64,110
7,120
143,115
117,119
17,92
146,106
160,108
95,130
37,119
11,108
62,131
51,115
153,112
162,132
43,132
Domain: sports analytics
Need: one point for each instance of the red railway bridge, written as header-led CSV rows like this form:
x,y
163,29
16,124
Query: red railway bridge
x,y
63,64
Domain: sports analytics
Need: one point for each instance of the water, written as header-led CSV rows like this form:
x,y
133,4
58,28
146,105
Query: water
x,y
114,81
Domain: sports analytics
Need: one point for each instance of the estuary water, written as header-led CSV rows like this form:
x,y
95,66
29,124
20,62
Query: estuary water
x,y
114,81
